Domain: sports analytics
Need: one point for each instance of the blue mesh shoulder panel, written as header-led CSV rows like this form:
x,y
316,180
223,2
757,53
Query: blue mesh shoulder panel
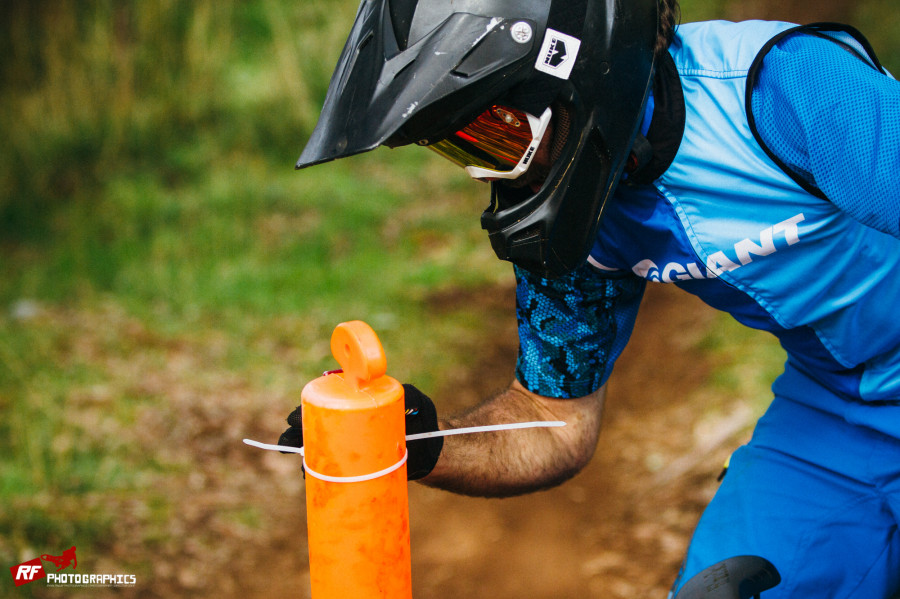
x,y
834,120
572,329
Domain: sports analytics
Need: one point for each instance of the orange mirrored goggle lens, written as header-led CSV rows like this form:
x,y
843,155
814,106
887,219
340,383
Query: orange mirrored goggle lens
x,y
496,143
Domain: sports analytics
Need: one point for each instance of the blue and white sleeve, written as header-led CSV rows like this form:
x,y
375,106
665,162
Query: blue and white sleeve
x,y
834,120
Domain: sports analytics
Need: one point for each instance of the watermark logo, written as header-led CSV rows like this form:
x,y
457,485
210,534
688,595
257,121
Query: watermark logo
x,y
35,569
28,571
63,561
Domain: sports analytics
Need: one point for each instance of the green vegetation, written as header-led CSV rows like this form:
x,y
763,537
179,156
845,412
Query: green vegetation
x,y
161,263
150,213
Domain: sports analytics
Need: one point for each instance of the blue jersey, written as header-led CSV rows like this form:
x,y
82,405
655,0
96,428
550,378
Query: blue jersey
x,y
768,225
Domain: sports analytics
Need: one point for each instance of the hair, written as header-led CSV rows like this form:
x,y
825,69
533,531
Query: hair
x,y
669,16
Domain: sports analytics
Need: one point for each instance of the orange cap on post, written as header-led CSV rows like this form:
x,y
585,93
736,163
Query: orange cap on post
x,y
357,349
354,428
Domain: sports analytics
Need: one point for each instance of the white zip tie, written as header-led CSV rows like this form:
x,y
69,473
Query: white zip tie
x,y
415,437
485,429
356,479
271,447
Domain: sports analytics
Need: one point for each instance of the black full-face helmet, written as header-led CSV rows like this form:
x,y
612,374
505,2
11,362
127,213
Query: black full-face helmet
x,y
439,73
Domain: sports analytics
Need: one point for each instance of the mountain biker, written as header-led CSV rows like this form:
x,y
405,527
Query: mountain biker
x,y
753,164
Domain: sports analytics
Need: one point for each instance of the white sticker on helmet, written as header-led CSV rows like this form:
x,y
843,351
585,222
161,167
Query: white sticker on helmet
x,y
521,32
558,53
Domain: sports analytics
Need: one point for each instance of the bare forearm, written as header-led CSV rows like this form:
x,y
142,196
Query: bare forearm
x,y
520,461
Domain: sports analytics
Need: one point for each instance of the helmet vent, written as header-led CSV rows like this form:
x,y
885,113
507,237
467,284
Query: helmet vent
x,y
401,19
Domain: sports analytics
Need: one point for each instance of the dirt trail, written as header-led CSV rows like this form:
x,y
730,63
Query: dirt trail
x,y
236,527
617,530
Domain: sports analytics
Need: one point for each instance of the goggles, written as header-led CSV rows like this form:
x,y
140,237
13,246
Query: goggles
x,y
499,144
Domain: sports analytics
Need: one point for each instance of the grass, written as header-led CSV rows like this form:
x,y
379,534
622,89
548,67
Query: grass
x,y
158,252
150,213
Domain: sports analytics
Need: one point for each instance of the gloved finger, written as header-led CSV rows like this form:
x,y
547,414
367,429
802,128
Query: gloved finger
x,y
295,418
292,437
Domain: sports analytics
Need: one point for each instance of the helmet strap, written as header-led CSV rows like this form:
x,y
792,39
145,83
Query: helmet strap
x,y
666,125
640,156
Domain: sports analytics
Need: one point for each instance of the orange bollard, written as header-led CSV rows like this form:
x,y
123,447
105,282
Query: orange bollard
x,y
354,427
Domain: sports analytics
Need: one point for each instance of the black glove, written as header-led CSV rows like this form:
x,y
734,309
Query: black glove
x,y
421,417
293,436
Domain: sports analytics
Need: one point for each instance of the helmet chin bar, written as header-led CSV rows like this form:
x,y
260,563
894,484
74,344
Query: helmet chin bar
x,y
546,232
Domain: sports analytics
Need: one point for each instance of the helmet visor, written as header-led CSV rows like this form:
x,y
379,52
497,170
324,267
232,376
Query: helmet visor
x,y
499,144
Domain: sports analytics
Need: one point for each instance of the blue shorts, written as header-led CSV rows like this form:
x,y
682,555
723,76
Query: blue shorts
x,y
816,496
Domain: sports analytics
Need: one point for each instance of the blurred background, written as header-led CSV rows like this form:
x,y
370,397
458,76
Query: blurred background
x,y
168,284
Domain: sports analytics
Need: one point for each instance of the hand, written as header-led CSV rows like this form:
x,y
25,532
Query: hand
x,y
293,436
421,417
